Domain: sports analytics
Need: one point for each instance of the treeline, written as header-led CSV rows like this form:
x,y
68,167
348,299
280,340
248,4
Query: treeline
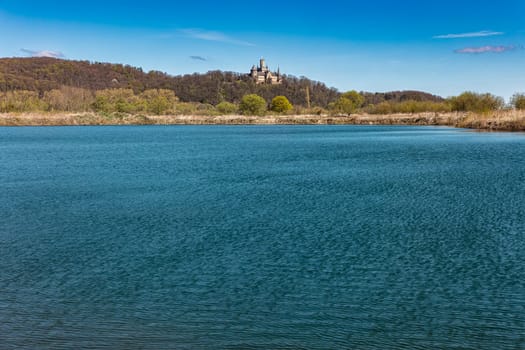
x,y
374,98
48,84
45,74
164,102
216,86
352,102
41,74
108,101
126,101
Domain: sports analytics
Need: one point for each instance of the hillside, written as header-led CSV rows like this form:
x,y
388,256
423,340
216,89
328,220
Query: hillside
x,y
44,74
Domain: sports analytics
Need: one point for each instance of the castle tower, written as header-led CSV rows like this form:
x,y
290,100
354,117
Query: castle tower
x,y
263,64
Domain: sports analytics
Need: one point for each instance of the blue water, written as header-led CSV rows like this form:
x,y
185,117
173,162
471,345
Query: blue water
x,y
261,237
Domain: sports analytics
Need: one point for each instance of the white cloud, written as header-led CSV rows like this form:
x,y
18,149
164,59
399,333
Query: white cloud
x,y
43,53
485,49
213,36
482,33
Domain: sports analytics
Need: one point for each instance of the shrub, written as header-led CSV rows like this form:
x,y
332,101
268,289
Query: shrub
x,y
21,101
518,101
474,102
341,106
69,99
226,108
117,100
280,104
252,104
347,103
185,108
355,97
158,101
409,106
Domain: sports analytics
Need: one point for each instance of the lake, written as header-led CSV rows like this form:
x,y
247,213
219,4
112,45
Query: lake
x,y
261,237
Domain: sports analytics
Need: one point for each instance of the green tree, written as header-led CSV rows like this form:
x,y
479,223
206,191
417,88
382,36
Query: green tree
x,y
117,100
518,101
474,102
226,107
347,103
355,97
158,101
252,104
280,104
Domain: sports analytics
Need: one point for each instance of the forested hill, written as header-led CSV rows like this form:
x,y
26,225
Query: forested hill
x,y
44,74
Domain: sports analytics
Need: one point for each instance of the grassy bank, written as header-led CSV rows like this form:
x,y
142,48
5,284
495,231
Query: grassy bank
x,y
500,120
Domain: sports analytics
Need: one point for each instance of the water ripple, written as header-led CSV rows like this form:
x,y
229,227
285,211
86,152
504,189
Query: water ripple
x,y
261,238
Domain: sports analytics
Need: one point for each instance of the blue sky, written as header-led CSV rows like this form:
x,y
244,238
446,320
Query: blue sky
x,y
443,47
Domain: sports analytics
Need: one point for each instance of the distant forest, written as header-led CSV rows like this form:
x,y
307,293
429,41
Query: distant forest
x,y
41,75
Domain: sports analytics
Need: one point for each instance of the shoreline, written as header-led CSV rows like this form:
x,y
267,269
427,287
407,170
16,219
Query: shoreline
x,y
495,121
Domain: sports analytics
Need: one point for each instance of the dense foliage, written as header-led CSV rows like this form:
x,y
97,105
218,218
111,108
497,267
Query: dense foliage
x,y
280,104
226,107
153,101
518,101
347,103
21,101
410,106
252,104
474,102
398,96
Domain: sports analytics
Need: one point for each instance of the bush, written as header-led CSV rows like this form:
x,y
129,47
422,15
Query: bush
x,y
21,101
117,100
185,108
341,106
355,97
280,104
226,108
252,104
518,101
410,106
474,102
69,99
348,103
158,101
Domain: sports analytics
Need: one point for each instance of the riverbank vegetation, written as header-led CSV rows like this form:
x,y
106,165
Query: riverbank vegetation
x,y
101,93
165,101
77,106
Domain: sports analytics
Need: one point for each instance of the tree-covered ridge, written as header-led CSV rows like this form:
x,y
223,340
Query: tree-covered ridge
x,y
45,74
399,96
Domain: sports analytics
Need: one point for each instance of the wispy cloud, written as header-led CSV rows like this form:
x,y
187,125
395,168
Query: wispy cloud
x,y
482,33
43,53
213,36
487,49
198,58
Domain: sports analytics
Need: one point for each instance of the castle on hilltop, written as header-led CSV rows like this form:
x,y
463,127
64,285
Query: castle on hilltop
x,y
263,75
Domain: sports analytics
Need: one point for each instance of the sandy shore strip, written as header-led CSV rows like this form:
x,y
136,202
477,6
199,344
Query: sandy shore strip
x,y
501,120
